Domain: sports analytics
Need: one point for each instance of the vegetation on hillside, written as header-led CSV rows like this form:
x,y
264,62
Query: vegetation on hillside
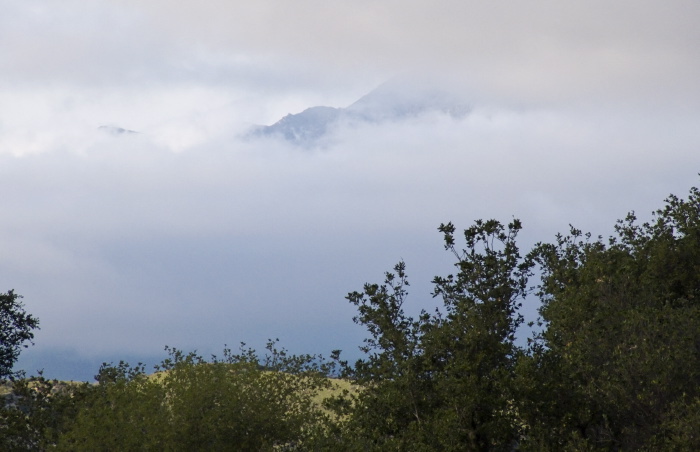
x,y
614,365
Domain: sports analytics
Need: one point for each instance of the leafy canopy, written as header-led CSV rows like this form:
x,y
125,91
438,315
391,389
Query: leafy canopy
x,y
16,329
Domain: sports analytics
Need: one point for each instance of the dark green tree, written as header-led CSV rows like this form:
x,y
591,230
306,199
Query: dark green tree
x,y
443,381
16,329
471,346
618,362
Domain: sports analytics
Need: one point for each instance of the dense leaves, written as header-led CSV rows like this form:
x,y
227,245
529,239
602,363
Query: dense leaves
x,y
239,402
619,359
444,380
614,366
16,329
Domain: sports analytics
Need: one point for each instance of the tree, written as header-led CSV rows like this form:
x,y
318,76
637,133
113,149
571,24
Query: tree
x,y
615,365
442,381
240,402
618,363
472,345
16,328
37,411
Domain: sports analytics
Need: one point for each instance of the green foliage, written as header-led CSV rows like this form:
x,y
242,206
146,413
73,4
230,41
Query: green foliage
x,y
125,410
15,330
239,402
680,428
36,411
442,381
615,366
23,409
621,350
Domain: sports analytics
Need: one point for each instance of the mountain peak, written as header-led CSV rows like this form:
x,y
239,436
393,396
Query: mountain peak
x,y
392,101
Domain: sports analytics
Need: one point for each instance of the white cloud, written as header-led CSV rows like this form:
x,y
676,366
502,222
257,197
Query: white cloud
x,y
186,235
151,246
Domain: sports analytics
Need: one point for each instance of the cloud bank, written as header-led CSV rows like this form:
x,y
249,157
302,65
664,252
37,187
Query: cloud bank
x,y
187,235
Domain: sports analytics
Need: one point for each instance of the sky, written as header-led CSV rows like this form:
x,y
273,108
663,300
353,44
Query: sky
x,y
188,235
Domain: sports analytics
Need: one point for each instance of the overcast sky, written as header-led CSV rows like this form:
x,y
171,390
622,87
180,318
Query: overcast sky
x,y
187,235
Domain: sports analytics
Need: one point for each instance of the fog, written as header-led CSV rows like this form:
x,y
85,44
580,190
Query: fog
x,y
189,234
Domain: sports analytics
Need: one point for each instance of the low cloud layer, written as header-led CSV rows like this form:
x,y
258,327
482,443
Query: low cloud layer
x,y
186,234
128,246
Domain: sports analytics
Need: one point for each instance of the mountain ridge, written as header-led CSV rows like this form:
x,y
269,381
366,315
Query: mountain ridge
x,y
390,102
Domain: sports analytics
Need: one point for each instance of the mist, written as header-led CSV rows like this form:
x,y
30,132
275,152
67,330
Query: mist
x,y
191,234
